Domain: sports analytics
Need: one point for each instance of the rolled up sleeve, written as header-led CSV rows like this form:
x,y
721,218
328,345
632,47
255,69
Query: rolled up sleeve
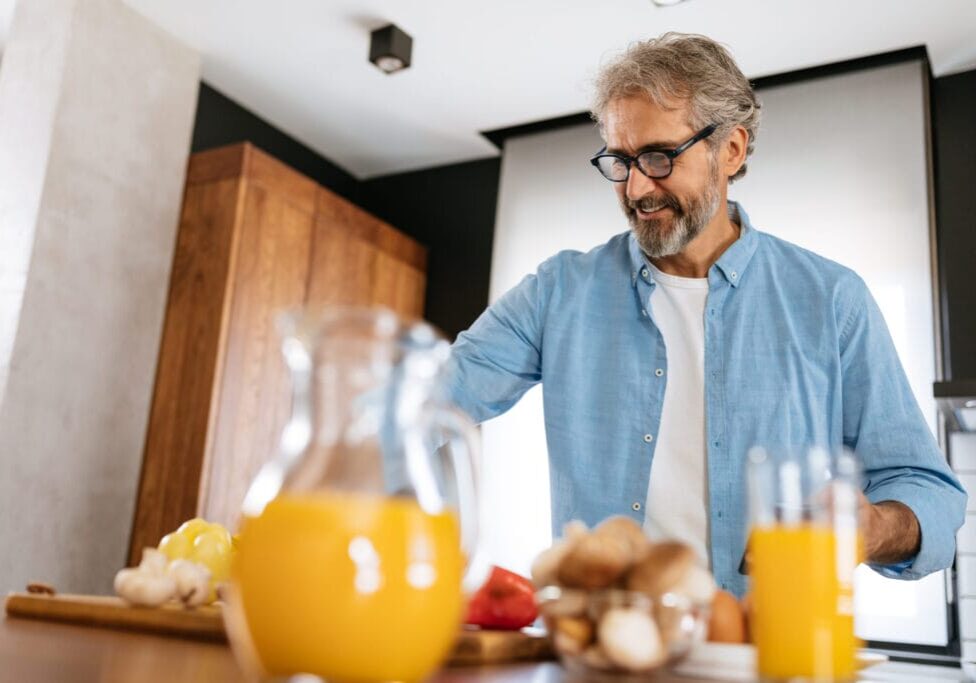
x,y
923,494
500,358
884,425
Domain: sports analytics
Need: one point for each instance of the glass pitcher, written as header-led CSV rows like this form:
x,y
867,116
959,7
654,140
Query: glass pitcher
x,y
355,538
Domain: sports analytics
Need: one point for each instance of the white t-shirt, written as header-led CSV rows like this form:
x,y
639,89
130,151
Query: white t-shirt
x,y
677,496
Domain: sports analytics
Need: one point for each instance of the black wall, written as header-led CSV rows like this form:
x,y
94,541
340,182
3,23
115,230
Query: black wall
x,y
222,121
451,209
448,209
954,131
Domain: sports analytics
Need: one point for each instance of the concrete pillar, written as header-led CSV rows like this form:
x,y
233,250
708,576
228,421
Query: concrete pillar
x,y
96,113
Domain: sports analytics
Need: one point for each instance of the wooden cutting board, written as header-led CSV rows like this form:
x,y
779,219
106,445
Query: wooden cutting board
x,y
203,623
482,646
474,646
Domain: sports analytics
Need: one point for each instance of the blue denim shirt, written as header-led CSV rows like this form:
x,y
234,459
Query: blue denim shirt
x,y
796,353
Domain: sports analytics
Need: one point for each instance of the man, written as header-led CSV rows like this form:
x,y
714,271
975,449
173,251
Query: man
x,y
669,351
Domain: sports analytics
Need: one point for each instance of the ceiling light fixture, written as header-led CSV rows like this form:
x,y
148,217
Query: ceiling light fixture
x,y
666,3
389,48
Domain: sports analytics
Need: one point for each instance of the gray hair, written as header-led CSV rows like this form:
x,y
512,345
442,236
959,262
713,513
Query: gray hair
x,y
688,67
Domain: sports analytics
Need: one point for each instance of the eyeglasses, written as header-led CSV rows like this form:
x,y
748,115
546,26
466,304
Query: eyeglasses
x,y
655,163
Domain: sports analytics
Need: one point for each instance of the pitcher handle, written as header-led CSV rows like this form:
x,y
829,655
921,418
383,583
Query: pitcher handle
x,y
464,441
297,433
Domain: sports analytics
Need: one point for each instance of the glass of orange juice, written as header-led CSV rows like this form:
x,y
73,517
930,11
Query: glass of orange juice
x,y
803,549
350,561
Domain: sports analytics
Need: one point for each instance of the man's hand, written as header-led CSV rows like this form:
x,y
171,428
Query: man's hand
x,y
890,531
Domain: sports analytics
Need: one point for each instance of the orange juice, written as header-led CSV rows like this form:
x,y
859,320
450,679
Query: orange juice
x,y
803,601
350,587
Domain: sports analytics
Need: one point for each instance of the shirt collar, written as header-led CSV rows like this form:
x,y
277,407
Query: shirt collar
x,y
732,264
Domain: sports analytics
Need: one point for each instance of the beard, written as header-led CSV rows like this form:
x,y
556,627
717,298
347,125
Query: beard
x,y
669,235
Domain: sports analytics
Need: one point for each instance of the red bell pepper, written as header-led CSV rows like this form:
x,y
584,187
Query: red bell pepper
x,y
505,601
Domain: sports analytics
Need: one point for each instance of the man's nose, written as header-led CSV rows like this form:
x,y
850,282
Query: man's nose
x,y
638,184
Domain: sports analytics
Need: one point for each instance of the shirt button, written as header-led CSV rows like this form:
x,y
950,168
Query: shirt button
x,y
659,372
648,438
644,312
635,507
734,275
644,272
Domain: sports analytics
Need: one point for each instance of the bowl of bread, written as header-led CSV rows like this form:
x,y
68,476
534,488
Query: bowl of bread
x,y
618,605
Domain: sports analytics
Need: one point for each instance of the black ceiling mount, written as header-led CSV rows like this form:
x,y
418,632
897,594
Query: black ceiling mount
x,y
389,48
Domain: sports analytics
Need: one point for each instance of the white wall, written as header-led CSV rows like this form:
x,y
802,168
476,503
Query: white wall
x,y
96,112
840,168
30,80
550,198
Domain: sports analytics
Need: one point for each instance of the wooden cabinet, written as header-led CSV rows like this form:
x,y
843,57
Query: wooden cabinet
x,y
255,237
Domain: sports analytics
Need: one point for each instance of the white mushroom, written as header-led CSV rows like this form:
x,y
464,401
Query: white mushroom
x,y
192,582
697,585
631,639
138,587
153,562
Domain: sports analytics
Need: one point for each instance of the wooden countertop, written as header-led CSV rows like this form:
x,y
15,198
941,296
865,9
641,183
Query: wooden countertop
x,y
44,652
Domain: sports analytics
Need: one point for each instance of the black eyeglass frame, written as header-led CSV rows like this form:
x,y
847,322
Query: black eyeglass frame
x,y
671,155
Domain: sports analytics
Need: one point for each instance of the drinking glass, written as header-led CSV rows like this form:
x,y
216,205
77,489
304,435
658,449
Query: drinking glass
x,y
803,548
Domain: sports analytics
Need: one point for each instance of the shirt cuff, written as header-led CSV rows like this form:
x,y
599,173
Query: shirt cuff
x,y
938,546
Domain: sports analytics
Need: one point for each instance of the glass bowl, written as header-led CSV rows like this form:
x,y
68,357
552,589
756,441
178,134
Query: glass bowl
x,y
620,635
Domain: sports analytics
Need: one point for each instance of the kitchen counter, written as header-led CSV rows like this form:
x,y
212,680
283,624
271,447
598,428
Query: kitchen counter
x,y
44,652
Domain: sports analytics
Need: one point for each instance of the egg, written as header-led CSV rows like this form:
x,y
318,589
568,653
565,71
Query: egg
x,y
727,623
746,604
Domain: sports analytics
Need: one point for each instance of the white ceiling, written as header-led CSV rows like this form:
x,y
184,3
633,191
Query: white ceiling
x,y
301,64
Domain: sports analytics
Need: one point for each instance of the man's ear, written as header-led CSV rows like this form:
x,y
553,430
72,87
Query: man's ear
x,y
734,150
